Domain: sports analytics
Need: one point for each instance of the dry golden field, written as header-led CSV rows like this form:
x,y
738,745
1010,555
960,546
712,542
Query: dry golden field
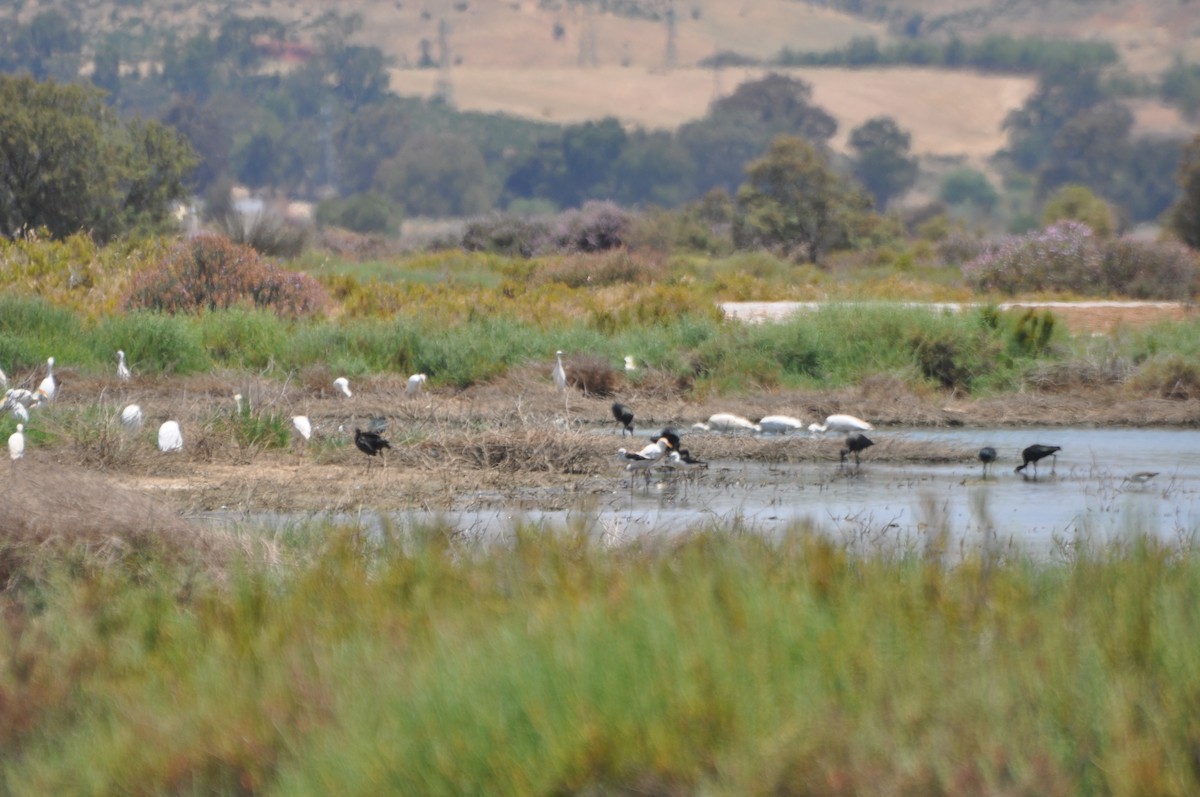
x,y
557,61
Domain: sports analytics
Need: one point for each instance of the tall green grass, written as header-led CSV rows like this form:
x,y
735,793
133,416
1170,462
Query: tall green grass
x,y
721,662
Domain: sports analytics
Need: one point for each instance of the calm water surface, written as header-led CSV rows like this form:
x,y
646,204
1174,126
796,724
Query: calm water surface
x,y
1085,495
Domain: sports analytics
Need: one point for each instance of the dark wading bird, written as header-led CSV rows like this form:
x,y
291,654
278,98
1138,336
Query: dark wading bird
x,y
371,443
1035,452
624,416
855,443
987,455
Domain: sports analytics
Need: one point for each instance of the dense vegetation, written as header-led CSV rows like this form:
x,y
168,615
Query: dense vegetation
x,y
416,659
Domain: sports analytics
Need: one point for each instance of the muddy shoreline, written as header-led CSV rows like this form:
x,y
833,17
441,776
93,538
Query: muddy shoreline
x,y
516,440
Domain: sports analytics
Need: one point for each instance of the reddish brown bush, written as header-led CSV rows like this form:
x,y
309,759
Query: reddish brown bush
x,y
209,272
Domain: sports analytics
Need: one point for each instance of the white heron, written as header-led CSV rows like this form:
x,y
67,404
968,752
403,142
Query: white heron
x,y
559,373
302,426
343,385
16,443
727,422
841,423
131,418
779,424
416,383
48,386
170,438
630,364
123,372
237,400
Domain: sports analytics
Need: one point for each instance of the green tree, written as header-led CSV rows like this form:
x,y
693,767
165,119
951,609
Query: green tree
x,y
437,175
794,203
966,186
1185,214
68,164
881,161
1078,203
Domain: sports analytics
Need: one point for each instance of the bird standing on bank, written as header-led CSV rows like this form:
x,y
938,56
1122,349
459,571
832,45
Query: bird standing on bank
x,y
302,426
1035,452
416,383
371,444
856,442
559,373
131,418
123,372
342,384
170,438
623,416
48,387
16,443
987,455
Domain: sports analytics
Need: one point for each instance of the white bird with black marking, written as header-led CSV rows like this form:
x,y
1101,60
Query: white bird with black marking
x,y
131,418
170,437
16,443
123,372
342,384
841,423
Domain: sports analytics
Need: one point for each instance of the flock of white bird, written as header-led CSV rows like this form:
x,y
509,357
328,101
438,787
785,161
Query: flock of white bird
x,y
663,452
19,402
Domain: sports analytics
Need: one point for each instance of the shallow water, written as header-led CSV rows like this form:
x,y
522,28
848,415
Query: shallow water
x,y
1084,495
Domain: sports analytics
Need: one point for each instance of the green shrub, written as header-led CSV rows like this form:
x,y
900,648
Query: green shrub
x,y
241,337
363,213
153,343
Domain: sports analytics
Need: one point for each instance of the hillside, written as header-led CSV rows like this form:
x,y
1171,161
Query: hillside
x,y
558,61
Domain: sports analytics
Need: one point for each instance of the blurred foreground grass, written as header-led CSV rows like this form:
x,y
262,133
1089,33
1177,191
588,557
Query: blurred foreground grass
x,y
721,662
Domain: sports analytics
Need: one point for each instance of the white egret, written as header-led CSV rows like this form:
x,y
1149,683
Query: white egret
x,y
237,400
779,424
170,438
727,422
416,383
123,372
48,386
630,364
841,423
559,373
16,442
302,426
131,418
20,413
343,385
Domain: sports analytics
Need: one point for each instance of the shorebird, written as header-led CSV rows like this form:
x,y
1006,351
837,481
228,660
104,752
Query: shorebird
x,y
779,424
987,455
371,444
170,438
727,422
1035,452
623,416
856,442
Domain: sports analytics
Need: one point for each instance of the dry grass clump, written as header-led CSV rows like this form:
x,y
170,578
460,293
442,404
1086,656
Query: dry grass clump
x,y
48,511
1172,377
531,451
592,374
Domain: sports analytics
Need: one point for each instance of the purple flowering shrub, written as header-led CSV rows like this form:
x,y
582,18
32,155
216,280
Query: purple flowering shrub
x,y
210,272
1067,257
1063,257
